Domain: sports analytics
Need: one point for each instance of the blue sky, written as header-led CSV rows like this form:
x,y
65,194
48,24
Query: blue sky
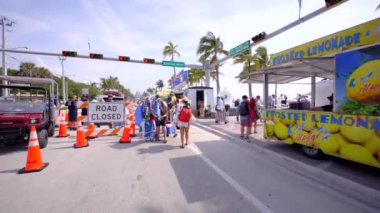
x,y
141,28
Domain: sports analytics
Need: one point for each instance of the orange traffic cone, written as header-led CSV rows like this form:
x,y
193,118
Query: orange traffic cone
x,y
126,133
81,139
62,127
91,129
34,162
133,129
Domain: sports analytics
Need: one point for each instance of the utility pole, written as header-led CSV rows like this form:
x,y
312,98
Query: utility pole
x,y
62,59
4,22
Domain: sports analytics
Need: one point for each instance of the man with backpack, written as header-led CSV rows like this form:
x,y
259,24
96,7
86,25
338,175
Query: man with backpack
x,y
161,119
245,120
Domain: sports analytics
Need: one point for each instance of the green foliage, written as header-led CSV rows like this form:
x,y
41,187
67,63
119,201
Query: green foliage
x,y
28,69
209,48
356,108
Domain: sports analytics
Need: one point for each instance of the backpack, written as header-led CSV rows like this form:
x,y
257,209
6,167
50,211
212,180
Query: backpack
x,y
184,115
163,109
243,108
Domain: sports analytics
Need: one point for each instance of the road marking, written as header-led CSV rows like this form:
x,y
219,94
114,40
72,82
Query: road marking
x,y
245,193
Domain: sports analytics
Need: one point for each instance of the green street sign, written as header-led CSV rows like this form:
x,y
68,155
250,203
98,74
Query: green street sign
x,y
173,63
240,48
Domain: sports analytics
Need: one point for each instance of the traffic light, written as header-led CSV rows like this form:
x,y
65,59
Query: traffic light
x,y
96,56
330,3
124,58
148,60
69,53
258,37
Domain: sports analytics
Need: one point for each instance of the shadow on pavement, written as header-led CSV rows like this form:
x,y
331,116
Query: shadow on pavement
x,y
200,183
12,148
10,171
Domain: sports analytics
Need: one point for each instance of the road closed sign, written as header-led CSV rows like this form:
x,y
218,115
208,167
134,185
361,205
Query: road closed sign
x,y
106,112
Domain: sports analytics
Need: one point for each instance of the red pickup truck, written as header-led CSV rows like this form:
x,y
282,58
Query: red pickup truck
x,y
21,107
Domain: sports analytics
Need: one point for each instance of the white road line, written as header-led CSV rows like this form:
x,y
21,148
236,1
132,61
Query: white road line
x,y
245,193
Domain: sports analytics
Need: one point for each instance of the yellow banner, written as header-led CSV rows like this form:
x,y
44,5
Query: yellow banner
x,y
360,35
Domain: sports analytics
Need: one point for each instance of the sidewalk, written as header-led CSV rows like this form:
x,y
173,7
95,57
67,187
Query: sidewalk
x,y
233,127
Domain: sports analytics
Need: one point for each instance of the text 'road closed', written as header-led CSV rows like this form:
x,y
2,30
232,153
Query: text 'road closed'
x,y
106,112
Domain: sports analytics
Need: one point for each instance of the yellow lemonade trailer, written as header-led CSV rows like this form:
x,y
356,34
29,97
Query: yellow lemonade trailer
x,y
351,130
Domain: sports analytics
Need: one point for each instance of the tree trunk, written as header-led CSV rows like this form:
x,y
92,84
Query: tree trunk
x,y
217,80
250,89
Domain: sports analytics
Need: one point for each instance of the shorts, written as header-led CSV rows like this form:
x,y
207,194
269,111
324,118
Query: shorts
x,y
161,122
183,124
245,120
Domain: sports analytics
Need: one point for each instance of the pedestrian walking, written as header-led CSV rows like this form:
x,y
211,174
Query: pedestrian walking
x,y
184,117
259,107
161,119
220,111
236,105
245,120
252,115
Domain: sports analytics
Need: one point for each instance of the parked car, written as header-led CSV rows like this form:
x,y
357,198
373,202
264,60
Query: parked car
x,y
23,107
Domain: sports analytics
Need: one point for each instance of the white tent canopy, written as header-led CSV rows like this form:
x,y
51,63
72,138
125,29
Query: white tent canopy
x,y
293,70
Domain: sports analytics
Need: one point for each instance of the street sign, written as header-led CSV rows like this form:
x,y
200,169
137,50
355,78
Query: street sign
x,y
240,48
106,112
84,91
173,63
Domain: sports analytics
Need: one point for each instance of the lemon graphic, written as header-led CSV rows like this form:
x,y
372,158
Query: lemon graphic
x,y
342,141
329,143
332,128
288,140
356,134
363,83
269,130
281,131
301,138
287,121
358,153
293,132
377,132
373,145
276,119
308,124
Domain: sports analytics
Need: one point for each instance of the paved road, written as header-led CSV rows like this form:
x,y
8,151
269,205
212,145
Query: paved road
x,y
213,174
355,172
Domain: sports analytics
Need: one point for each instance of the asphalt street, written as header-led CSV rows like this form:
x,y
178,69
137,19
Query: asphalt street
x,y
212,174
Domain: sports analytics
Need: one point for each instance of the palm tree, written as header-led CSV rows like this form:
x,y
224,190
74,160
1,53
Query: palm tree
x,y
249,62
160,84
196,76
170,50
254,62
209,48
151,90
27,69
109,83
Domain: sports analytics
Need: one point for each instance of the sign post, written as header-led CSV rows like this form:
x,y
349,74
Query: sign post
x,y
106,112
240,48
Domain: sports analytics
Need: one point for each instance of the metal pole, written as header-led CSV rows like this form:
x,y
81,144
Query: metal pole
x,y
313,89
266,93
62,59
5,91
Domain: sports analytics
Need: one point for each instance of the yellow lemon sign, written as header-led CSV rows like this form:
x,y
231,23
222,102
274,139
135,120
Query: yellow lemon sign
x,y
363,85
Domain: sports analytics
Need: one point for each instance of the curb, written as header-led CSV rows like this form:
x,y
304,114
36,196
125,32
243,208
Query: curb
x,y
359,192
